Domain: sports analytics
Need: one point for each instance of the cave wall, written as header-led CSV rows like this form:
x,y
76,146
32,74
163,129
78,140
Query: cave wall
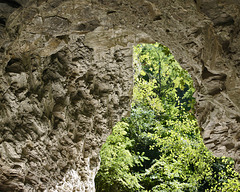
x,y
66,78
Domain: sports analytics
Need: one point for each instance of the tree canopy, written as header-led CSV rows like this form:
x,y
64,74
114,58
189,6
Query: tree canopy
x,y
159,147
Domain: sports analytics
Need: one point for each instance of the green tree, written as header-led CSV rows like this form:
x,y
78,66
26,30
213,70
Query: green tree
x,y
159,147
116,162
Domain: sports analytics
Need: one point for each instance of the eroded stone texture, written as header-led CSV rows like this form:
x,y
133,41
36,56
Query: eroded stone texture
x,y
66,79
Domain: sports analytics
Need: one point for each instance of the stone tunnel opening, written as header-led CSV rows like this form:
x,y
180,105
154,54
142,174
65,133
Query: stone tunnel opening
x,y
162,135
66,80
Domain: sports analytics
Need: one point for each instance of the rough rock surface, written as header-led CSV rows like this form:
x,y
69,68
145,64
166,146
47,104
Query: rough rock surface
x,y
66,79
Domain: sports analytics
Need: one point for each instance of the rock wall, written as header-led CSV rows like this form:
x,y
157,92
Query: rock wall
x,y
66,79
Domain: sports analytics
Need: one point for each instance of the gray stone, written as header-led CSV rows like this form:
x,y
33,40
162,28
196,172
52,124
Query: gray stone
x,y
66,78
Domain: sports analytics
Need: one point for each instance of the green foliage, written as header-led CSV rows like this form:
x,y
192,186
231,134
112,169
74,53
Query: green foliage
x,y
159,147
116,162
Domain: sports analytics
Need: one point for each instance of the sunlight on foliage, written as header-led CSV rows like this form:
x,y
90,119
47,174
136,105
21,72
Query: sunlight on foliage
x,y
159,147
116,162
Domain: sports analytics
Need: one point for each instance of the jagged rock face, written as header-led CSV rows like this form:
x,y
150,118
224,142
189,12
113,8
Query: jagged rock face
x,y
66,79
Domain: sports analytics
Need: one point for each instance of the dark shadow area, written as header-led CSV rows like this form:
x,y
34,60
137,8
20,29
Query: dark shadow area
x,y
11,3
